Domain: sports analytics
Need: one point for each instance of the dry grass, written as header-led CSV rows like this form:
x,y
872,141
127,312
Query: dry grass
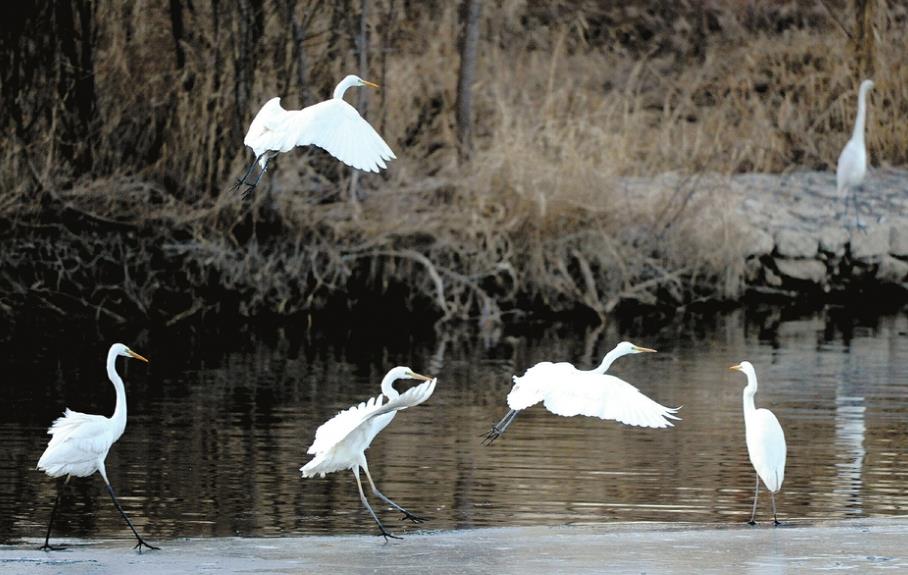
x,y
575,102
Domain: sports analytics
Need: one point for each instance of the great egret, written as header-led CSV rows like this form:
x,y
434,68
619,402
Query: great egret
x,y
341,442
333,125
80,442
568,391
765,442
852,164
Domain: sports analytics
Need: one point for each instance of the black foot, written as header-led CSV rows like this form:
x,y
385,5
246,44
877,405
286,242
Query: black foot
x,y
776,522
751,522
411,517
48,547
248,190
142,542
387,535
492,435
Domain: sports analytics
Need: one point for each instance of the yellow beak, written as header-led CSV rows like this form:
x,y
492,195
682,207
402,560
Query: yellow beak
x,y
418,376
135,355
735,367
643,349
370,84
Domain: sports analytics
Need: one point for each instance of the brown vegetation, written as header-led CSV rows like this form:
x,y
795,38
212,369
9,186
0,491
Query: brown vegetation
x,y
124,127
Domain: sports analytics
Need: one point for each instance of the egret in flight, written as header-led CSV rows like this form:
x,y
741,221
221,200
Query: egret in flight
x,y
568,391
765,442
852,164
80,442
341,442
333,125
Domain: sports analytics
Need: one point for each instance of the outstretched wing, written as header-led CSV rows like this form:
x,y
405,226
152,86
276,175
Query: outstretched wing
x,y
409,398
533,386
606,397
336,127
341,425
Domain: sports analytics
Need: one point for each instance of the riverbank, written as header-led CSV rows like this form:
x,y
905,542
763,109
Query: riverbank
x,y
863,545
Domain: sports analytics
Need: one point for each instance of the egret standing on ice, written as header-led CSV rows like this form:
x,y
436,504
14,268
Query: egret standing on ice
x,y
765,442
852,164
568,391
341,442
80,443
333,125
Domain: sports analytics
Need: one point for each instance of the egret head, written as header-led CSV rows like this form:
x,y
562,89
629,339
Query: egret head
x,y
349,82
626,347
401,372
120,349
866,86
746,367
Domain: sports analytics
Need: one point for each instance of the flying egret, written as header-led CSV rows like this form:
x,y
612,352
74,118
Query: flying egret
x,y
333,125
341,442
568,391
81,441
765,442
852,164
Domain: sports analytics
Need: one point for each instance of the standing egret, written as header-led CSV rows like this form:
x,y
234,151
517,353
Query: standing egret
x,y
852,164
765,442
568,391
341,442
81,441
333,125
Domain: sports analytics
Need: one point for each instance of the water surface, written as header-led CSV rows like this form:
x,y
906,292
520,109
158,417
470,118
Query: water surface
x,y
219,425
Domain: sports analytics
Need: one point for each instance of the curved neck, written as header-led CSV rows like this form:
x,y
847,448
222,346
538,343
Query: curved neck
x,y
387,387
607,361
858,134
119,413
342,87
749,392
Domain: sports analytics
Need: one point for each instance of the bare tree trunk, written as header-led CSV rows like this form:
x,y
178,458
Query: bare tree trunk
x,y
362,46
469,44
864,37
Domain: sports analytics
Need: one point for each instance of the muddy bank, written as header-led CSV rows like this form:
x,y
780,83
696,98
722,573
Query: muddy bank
x,y
864,546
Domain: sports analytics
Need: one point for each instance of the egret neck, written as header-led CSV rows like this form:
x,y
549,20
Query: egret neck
x,y
607,361
858,134
347,82
119,415
749,392
387,386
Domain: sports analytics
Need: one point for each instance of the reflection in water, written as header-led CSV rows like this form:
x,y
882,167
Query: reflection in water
x,y
218,428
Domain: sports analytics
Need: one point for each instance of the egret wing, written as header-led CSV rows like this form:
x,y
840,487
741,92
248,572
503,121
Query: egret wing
x,y
409,398
767,449
533,386
606,397
78,441
336,127
341,425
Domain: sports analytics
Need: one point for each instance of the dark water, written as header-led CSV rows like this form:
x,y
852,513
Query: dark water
x,y
219,425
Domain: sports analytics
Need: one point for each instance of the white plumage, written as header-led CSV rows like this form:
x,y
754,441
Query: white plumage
x,y
567,391
341,442
333,125
852,164
79,441
765,441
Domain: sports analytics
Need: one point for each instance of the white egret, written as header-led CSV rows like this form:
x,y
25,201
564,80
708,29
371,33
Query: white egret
x,y
765,442
333,125
80,442
568,391
341,442
852,164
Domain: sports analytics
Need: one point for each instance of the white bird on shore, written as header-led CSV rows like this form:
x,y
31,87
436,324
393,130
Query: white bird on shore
x,y
333,125
852,164
341,442
765,442
80,442
568,391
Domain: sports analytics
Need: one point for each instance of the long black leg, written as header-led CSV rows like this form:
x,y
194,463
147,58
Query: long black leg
x,y
362,497
500,427
128,522
753,515
250,187
47,546
407,514
775,520
248,171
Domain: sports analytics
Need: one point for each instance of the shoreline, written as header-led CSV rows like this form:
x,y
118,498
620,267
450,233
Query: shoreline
x,y
652,548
